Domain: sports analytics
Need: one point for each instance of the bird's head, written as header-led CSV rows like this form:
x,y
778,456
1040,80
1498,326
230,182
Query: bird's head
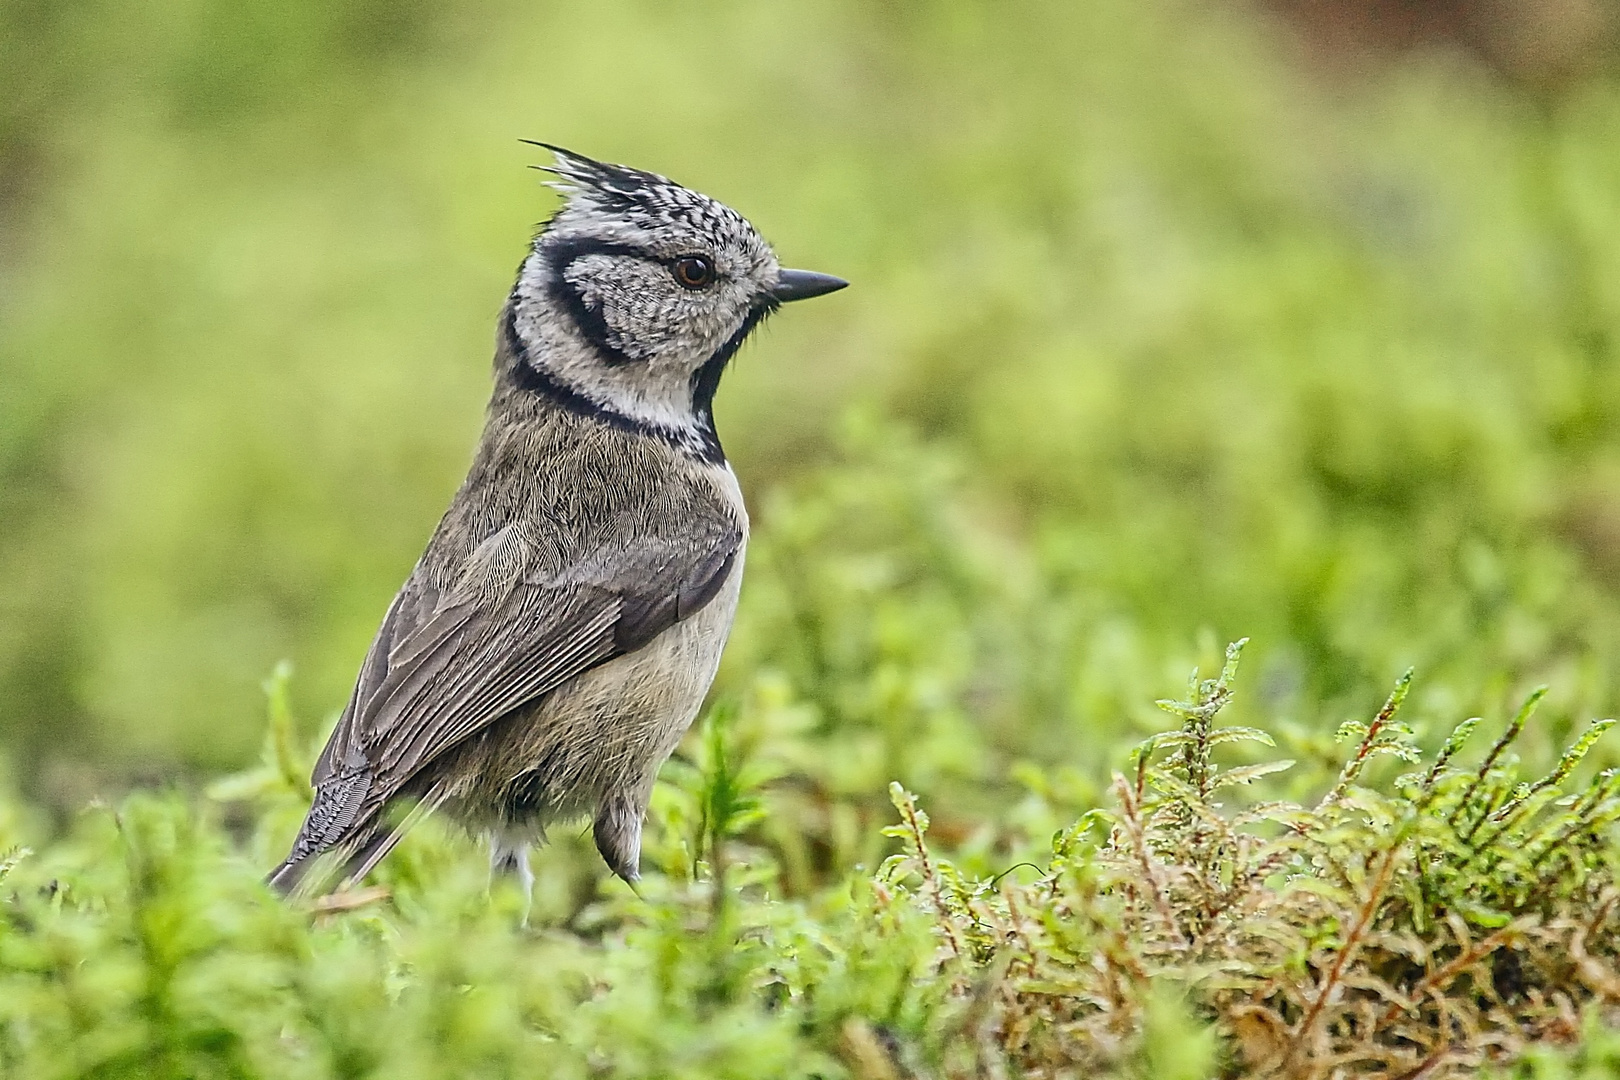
x,y
638,292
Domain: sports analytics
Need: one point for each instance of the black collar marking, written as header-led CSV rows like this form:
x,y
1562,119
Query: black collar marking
x,y
706,379
703,443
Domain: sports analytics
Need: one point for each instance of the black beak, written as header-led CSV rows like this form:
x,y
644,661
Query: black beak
x,y
803,284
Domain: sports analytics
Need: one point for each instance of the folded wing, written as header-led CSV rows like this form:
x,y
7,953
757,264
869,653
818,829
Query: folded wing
x,y
447,664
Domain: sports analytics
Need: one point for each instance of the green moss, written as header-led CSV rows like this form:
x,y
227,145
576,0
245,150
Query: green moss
x,y
1449,918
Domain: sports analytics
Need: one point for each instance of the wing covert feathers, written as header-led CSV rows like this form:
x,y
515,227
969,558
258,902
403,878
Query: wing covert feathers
x,y
447,664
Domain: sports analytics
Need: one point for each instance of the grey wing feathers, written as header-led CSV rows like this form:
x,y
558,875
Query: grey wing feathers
x,y
491,662
643,616
445,666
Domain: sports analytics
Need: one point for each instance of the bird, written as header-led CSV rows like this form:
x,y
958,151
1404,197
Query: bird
x,y
562,628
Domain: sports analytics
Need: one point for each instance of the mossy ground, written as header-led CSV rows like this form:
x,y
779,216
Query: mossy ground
x,y
1459,916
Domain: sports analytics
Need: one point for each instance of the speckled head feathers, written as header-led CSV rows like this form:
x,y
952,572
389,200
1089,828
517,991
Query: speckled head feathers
x,y
636,294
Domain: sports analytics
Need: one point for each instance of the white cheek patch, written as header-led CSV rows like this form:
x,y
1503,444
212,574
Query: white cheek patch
x,y
624,297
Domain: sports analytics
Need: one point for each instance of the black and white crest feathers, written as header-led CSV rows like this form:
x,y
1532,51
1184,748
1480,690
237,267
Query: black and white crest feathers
x,y
645,199
616,185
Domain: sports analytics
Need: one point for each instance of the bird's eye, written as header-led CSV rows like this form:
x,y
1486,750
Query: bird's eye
x,y
693,272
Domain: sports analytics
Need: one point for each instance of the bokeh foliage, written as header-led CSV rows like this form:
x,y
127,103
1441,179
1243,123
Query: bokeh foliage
x,y
1163,331
1199,342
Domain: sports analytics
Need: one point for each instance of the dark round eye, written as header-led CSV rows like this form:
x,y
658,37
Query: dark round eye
x,y
693,271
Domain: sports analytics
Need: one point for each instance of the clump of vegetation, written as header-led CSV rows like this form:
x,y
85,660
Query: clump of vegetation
x,y
1429,923
1428,926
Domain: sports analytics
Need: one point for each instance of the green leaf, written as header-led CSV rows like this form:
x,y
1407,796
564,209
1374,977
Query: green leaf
x,y
1248,774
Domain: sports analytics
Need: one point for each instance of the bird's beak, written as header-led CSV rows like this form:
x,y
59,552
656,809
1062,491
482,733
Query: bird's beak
x,y
803,284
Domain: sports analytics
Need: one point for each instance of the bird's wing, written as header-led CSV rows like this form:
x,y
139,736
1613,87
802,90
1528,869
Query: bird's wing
x,y
444,666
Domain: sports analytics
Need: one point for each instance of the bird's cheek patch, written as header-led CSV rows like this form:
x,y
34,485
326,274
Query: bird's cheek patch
x,y
619,307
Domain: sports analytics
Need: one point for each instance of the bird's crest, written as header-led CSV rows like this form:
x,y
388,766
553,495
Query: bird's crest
x,y
598,181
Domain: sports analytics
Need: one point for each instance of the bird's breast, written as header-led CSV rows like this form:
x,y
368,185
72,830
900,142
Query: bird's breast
x,y
725,485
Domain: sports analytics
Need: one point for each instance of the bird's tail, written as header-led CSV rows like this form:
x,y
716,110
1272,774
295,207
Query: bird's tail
x,y
357,854
286,878
340,817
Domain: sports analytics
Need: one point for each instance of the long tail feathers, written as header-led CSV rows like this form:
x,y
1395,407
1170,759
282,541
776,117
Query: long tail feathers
x,y
378,848
285,878
358,854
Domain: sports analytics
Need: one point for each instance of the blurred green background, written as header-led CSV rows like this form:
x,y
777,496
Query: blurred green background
x,y
1171,323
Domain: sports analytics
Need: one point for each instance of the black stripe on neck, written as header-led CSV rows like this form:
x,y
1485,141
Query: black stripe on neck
x,y
706,379
702,443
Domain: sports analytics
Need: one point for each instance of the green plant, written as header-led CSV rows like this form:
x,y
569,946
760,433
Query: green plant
x,y
1429,925
1430,922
